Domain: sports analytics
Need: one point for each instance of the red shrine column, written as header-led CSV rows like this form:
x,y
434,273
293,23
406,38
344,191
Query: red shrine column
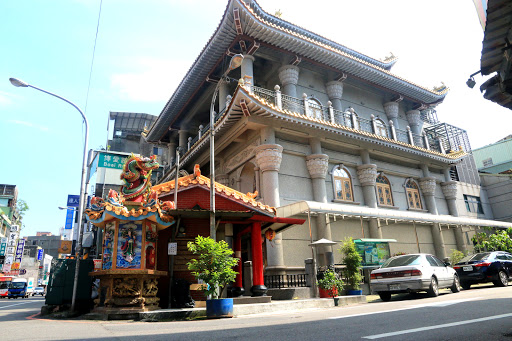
x,y
238,287
258,285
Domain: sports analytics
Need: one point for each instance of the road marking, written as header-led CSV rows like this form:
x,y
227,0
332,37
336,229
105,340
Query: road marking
x,y
12,305
446,325
435,304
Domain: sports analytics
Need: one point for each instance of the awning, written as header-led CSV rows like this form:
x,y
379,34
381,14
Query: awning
x,y
302,207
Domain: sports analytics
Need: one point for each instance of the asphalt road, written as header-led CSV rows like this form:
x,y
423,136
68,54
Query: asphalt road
x,y
483,313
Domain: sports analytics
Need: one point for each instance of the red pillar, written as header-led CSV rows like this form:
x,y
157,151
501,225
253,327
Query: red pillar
x,y
258,285
238,287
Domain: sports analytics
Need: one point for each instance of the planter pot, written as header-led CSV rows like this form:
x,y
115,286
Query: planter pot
x,y
325,293
354,292
222,307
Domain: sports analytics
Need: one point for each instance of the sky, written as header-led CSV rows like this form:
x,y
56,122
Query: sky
x,y
144,48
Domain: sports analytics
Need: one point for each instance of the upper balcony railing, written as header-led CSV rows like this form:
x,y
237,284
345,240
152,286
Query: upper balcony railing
x,y
348,118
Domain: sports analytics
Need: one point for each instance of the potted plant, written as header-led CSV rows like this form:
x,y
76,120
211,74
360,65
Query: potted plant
x,y
352,260
214,266
330,285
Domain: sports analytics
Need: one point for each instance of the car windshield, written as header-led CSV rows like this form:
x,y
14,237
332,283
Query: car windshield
x,y
17,285
4,285
39,288
402,261
476,257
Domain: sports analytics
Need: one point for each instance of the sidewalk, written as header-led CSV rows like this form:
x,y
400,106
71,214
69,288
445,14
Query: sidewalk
x,y
238,309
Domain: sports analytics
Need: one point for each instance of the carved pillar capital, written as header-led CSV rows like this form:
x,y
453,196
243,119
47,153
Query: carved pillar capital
x,y
391,110
317,165
334,89
289,74
428,185
269,157
449,189
367,174
413,117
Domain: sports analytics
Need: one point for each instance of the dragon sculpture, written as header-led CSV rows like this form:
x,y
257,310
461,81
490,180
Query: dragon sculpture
x,y
136,176
136,189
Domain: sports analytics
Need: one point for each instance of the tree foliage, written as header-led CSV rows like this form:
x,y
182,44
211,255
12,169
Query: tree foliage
x,y
213,265
498,241
352,260
456,256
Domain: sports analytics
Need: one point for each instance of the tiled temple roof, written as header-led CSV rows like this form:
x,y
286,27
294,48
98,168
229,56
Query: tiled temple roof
x,y
264,27
197,179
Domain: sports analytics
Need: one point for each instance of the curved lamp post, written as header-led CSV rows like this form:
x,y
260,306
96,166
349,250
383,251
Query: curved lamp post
x,y
19,83
235,62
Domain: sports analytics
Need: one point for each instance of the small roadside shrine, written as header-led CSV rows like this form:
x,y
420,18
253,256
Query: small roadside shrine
x,y
242,221
131,221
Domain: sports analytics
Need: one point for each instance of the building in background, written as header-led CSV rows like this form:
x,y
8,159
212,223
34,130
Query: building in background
x,y
496,157
40,234
50,244
8,210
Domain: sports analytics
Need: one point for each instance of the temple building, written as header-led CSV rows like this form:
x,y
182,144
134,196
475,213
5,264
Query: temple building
x,y
324,133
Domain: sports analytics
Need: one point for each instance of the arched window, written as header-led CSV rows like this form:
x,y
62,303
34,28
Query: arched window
x,y
342,184
380,128
413,194
384,195
315,108
351,119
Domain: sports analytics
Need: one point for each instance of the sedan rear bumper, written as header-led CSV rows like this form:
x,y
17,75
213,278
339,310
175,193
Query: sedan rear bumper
x,y
400,286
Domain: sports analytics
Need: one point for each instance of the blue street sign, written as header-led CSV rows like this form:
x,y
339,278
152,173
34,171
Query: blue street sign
x,y
73,200
69,219
40,254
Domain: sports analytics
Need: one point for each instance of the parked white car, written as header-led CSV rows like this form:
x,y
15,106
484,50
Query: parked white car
x,y
413,273
38,291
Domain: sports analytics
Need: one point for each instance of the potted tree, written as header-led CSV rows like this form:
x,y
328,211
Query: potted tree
x,y
352,260
330,285
214,266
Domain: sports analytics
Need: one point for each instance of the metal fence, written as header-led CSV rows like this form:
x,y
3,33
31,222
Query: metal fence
x,y
285,281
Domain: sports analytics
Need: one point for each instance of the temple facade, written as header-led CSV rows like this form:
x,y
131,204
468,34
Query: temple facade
x,y
324,133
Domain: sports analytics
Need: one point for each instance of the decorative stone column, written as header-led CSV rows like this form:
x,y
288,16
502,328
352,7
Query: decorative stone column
x,y
183,139
450,193
247,70
391,110
268,159
317,165
171,148
414,120
428,188
289,76
367,174
335,91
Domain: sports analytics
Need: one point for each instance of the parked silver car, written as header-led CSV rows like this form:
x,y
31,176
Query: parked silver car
x,y
38,291
413,273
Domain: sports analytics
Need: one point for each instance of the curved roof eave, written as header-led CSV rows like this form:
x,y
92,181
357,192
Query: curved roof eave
x,y
321,51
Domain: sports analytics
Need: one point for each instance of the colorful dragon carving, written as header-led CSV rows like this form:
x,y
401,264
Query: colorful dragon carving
x,y
136,176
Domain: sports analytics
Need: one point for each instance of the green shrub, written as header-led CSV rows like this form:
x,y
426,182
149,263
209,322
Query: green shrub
x,y
214,264
456,256
352,260
331,283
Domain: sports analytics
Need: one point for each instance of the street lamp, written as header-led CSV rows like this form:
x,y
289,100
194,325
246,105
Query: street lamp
x,y
19,83
67,208
235,62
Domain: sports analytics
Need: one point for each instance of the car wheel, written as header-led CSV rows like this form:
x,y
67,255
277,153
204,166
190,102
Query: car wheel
x,y
385,296
456,284
433,290
502,279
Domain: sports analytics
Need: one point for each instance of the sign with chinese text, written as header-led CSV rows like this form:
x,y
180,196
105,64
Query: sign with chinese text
x,y
40,254
111,161
69,219
373,253
172,249
65,246
15,228
73,200
19,250
3,246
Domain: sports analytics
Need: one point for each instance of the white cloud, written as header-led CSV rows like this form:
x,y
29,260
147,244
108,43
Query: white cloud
x,y
155,81
29,124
